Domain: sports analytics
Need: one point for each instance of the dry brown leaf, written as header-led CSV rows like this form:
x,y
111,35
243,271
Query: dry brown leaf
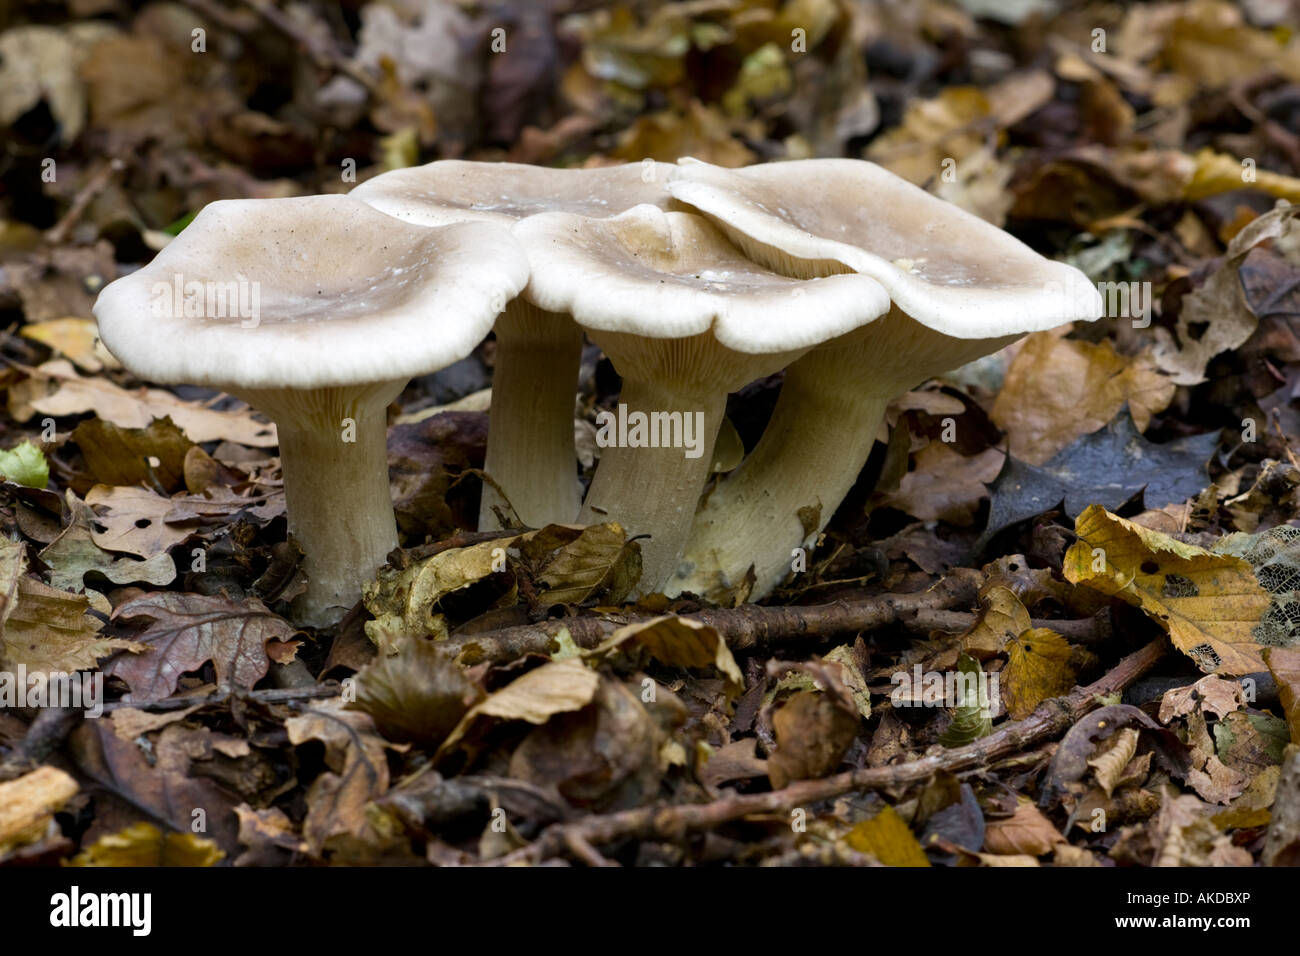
x,y
553,688
1027,832
187,630
1216,317
1112,757
56,389
677,642
1088,385
134,456
133,520
43,628
813,732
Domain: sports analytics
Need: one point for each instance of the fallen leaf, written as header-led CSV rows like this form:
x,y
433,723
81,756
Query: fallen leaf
x,y
886,837
1038,667
1209,603
418,695
1027,832
145,845
74,553
1216,317
1107,467
186,631
813,732
45,629
677,642
56,389
554,688
1089,384
134,456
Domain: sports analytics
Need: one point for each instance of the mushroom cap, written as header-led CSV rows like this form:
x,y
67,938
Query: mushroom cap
x,y
345,295
944,267
453,190
673,275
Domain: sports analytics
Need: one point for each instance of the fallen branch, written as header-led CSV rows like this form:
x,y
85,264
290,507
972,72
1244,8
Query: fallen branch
x,y
745,628
672,823
1089,630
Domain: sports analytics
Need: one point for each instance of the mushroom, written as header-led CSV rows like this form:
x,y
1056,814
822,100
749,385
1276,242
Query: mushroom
x,y
530,454
316,311
960,288
685,318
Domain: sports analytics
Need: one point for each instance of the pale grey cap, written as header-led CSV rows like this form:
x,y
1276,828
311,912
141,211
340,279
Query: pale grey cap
x,y
945,268
453,190
673,275
344,295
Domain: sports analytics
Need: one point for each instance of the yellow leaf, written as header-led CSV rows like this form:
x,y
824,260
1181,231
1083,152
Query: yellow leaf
x,y
886,837
1209,603
1038,667
145,845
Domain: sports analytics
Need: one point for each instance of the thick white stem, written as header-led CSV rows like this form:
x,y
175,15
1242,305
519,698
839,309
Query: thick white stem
x,y
786,491
654,490
530,452
334,457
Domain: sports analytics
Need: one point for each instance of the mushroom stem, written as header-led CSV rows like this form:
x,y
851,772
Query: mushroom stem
x,y
530,452
334,458
786,490
654,490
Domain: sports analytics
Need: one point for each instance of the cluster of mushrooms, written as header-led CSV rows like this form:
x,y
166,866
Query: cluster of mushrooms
x,y
693,279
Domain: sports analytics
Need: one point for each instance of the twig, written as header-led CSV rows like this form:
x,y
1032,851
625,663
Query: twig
x,y
1089,630
745,628
325,57
672,823
84,197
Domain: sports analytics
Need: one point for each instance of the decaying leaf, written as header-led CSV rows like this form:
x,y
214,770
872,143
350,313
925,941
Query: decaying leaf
x,y
1027,832
1215,317
185,631
1210,604
813,731
43,628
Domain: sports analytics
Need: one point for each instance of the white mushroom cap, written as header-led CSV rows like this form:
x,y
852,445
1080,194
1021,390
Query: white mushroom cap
x,y
344,295
454,190
672,275
942,266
